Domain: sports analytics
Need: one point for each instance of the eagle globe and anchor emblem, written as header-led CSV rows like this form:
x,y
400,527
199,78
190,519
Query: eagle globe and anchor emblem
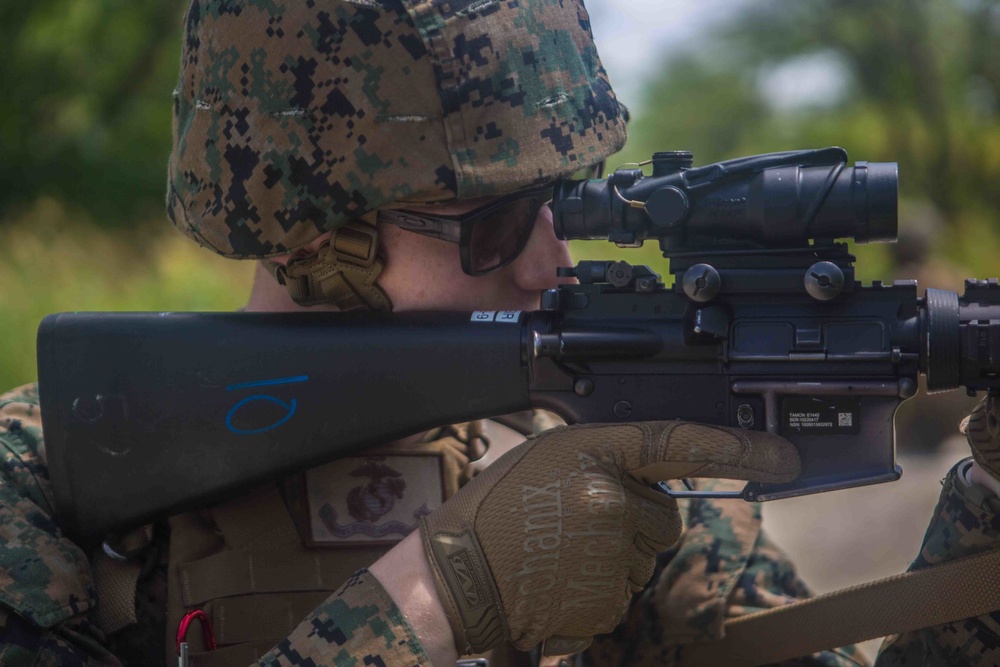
x,y
369,502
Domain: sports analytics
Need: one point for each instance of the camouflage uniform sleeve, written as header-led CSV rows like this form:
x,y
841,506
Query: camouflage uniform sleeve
x,y
357,625
722,567
965,522
45,581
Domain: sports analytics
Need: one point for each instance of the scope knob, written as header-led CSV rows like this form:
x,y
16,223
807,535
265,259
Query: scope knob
x,y
667,207
668,162
701,282
824,281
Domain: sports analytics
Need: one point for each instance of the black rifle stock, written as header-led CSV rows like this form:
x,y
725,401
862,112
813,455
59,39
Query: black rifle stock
x,y
150,413
145,412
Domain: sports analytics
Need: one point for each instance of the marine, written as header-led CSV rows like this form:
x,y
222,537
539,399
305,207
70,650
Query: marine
x,y
304,134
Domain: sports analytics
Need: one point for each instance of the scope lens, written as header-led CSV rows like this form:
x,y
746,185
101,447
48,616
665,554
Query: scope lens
x,y
882,185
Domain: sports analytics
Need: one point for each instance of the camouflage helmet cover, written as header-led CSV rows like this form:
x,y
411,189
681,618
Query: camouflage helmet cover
x,y
292,117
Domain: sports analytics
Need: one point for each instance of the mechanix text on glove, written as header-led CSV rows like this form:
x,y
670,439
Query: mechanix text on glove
x,y
551,541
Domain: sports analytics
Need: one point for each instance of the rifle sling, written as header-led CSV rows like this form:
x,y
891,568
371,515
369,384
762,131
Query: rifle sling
x,y
955,590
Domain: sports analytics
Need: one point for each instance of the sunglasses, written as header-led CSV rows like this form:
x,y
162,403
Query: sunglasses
x,y
489,237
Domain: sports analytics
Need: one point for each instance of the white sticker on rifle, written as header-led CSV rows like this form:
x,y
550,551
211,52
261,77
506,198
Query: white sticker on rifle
x,y
483,315
820,415
508,316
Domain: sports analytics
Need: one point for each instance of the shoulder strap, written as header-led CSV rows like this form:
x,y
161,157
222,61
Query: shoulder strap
x,y
115,580
958,589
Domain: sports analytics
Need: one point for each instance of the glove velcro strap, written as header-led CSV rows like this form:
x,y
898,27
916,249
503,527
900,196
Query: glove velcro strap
x,y
342,272
468,592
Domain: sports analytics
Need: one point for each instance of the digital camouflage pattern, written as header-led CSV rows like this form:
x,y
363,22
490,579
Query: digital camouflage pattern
x,y
291,118
723,566
966,521
44,578
982,428
359,625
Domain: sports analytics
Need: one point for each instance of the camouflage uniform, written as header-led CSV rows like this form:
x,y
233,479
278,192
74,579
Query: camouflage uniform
x,y
722,567
293,118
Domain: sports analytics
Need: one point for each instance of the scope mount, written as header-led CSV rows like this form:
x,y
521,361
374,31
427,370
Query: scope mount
x,y
822,270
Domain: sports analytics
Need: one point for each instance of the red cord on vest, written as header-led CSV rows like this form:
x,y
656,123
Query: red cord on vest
x,y
206,628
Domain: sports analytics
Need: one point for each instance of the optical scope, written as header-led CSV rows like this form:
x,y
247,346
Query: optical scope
x,y
777,200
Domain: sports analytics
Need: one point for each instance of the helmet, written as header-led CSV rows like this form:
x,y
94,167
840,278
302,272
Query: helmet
x,y
294,117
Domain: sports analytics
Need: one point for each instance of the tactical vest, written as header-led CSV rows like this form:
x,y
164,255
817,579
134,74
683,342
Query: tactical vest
x,y
258,565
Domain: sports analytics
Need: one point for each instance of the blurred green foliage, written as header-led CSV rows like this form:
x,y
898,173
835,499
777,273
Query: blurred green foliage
x,y
85,135
55,261
908,81
86,112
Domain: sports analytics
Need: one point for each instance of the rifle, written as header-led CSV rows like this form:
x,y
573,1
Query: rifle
x,y
764,327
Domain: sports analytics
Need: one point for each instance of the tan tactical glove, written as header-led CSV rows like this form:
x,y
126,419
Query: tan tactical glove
x,y
552,540
982,429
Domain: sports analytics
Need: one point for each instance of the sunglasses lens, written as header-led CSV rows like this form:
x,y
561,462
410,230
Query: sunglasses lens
x,y
499,236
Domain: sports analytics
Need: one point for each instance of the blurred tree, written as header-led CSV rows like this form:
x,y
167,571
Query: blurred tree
x,y
913,81
87,102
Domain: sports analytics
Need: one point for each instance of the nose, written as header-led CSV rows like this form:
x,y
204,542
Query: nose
x,y
535,268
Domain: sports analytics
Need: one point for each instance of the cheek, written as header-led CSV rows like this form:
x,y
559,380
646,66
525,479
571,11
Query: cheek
x,y
535,269
421,272
408,255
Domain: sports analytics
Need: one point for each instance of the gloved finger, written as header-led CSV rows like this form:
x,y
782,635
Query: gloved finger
x,y
565,645
981,429
681,449
643,566
659,523
657,527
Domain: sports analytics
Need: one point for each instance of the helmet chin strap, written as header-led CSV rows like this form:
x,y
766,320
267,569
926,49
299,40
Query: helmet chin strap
x,y
343,271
